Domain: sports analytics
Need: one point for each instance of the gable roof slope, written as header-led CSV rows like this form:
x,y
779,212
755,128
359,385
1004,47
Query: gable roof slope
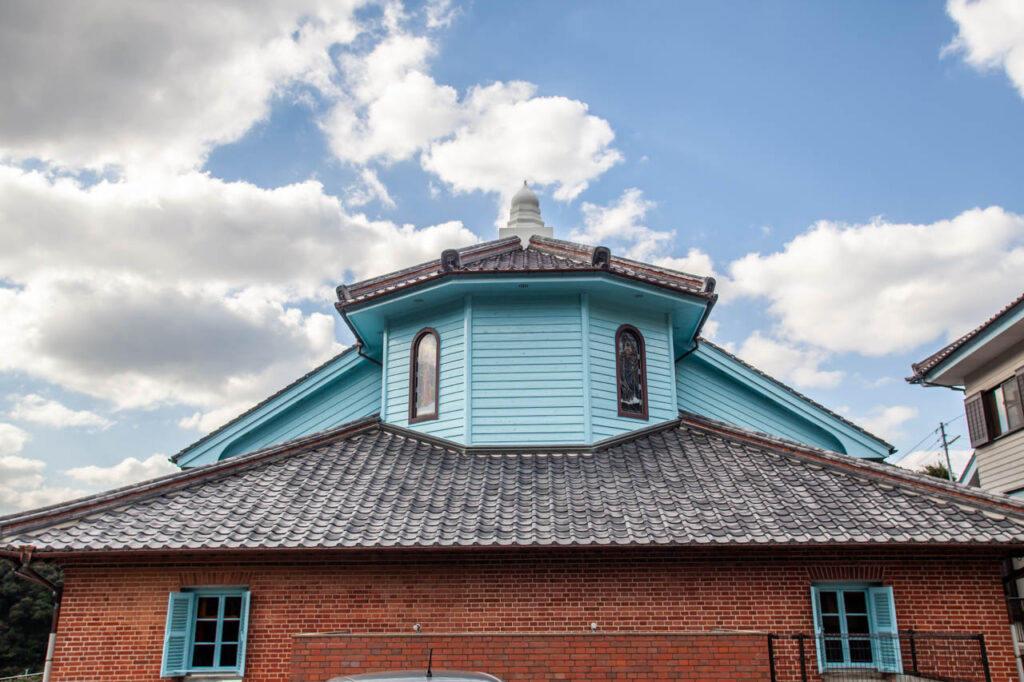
x,y
798,394
922,368
372,485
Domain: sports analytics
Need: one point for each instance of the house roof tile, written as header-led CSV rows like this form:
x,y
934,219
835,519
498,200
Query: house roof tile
x,y
372,485
508,256
920,369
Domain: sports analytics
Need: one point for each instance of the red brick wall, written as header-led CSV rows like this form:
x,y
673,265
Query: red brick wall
x,y
112,620
707,657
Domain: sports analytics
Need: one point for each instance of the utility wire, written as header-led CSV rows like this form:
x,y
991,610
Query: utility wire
x,y
903,453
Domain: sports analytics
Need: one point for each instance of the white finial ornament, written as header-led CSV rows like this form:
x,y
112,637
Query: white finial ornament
x,y
524,217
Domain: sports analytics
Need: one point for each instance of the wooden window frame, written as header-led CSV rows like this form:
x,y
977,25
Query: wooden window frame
x,y
987,399
188,599
645,415
413,417
883,659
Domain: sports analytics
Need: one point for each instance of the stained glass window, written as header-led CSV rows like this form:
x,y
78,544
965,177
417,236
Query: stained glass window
x,y
632,375
423,392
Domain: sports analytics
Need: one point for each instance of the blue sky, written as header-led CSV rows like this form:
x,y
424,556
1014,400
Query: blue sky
x,y
181,190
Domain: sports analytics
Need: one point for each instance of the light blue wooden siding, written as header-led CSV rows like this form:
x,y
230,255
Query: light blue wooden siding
x,y
604,322
704,390
527,383
354,395
448,321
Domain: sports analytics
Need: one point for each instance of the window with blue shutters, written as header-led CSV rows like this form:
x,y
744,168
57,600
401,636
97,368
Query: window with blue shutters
x,y
855,627
205,632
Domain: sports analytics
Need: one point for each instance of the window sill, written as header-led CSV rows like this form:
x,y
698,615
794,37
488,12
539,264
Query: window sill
x,y
213,677
1001,436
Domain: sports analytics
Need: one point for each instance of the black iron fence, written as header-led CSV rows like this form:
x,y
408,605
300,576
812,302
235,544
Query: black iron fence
x,y
910,656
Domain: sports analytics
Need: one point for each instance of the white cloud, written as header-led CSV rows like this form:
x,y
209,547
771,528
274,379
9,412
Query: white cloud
x,y
37,409
695,262
152,84
887,421
370,189
620,226
23,477
789,363
184,291
127,471
884,287
389,108
13,499
991,35
20,472
508,134
12,439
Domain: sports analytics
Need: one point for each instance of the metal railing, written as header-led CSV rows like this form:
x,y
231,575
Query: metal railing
x,y
910,656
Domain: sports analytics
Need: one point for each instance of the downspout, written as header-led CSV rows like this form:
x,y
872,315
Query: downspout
x,y
709,288
25,571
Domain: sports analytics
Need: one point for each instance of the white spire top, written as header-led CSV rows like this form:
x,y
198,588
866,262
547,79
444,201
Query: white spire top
x,y
524,217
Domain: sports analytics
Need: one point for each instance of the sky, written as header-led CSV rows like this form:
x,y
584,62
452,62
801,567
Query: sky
x,y
182,185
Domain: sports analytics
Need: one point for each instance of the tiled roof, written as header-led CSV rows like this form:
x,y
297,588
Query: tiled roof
x,y
371,485
798,394
933,360
507,256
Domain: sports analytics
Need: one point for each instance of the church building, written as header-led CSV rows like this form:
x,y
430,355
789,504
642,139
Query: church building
x,y
532,464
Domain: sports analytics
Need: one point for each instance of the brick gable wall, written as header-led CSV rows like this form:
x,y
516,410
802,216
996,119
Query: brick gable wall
x,y
113,613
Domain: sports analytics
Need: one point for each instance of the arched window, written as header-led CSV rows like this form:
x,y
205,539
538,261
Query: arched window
x,y
423,376
631,371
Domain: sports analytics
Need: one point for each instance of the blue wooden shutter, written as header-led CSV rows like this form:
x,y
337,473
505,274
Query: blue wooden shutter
x,y
882,611
243,631
177,634
819,639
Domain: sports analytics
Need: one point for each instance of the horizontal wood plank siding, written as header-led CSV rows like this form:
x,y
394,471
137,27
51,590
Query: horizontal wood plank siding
x,y
451,399
352,396
704,390
1001,462
604,322
527,371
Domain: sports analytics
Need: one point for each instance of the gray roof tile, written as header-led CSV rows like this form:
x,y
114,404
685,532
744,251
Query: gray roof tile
x,y
693,482
509,256
922,368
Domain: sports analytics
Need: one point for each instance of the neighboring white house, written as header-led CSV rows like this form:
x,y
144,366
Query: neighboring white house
x,y
988,365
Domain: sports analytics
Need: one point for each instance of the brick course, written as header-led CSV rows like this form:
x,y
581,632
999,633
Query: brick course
x,y
703,657
112,620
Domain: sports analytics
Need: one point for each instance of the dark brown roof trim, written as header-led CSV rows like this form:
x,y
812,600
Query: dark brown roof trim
x,y
577,254
864,468
938,357
553,245
74,509
467,255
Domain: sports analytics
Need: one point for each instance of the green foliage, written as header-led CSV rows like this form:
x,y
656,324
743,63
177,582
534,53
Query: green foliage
x,y
936,470
25,613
